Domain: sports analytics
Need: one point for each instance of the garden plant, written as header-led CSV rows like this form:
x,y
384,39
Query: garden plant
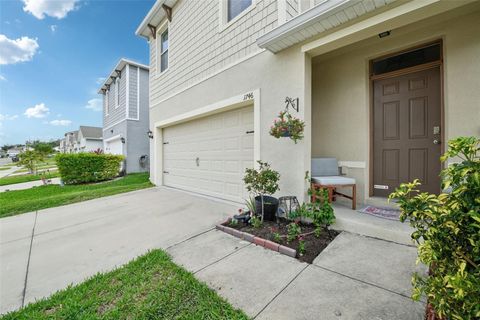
x,y
447,232
262,181
287,126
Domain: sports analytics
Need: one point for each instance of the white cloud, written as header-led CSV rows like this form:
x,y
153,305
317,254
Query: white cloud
x,y
101,80
4,117
64,123
37,111
53,8
53,28
95,104
2,78
18,50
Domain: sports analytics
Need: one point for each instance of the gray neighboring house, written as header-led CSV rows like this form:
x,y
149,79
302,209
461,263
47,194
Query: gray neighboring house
x,y
126,114
89,139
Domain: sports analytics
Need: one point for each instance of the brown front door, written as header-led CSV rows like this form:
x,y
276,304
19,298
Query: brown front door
x,y
406,134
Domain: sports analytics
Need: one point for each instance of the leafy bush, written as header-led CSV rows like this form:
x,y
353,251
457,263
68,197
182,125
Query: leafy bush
x,y
76,168
447,231
262,181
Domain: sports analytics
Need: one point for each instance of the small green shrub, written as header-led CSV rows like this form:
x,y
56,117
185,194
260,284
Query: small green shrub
x,y
76,168
447,231
294,230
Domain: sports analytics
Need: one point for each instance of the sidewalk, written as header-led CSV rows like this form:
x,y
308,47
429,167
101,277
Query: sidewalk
x,y
356,277
26,185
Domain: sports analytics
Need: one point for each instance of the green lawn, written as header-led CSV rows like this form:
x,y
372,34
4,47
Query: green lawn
x,y
149,287
26,178
42,167
20,201
4,168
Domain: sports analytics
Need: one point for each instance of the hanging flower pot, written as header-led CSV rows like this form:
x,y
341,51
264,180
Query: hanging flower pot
x,y
287,126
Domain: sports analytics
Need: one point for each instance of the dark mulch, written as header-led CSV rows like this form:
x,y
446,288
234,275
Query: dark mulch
x,y
313,245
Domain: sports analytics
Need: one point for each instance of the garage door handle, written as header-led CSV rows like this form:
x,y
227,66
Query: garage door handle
x,y
197,161
166,172
249,132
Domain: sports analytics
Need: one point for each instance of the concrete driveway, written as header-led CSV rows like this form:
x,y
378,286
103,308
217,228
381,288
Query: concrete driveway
x,y
42,252
356,277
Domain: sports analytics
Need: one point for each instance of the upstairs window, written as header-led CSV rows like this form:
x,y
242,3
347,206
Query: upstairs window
x,y
117,92
235,7
107,93
164,50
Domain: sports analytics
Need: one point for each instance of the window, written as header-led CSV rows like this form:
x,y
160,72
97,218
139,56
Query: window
x,y
235,7
407,59
164,51
107,100
117,92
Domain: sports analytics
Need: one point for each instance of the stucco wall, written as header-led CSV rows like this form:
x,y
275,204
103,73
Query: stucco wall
x,y
275,76
340,84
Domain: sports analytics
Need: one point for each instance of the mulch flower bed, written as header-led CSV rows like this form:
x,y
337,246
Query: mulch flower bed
x,y
313,245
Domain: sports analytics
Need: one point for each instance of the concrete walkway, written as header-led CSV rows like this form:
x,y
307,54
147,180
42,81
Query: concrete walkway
x,y
357,277
26,185
9,171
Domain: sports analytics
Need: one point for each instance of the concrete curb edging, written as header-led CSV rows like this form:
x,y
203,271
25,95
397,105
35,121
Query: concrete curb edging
x,y
267,244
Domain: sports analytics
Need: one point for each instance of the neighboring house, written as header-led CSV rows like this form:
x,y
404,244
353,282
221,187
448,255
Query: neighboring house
x,y
71,142
126,114
62,146
14,152
89,139
381,85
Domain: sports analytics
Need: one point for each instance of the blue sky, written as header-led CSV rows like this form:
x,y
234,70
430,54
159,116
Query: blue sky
x,y
53,54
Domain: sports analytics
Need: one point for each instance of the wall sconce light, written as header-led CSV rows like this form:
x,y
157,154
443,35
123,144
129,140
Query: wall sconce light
x,y
122,139
150,134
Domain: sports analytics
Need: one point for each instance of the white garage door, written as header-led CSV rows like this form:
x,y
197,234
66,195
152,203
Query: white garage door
x,y
209,155
114,147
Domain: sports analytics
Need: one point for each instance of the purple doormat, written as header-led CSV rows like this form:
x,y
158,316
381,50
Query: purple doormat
x,y
385,213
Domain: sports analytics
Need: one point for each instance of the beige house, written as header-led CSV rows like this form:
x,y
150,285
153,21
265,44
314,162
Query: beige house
x,y
381,86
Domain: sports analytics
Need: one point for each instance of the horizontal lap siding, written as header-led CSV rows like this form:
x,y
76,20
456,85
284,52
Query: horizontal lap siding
x,y
133,84
116,114
198,47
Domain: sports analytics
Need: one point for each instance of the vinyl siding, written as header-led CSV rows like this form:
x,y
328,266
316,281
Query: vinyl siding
x,y
199,45
119,113
133,84
292,9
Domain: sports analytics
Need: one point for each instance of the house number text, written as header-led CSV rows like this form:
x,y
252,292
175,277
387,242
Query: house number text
x,y
248,96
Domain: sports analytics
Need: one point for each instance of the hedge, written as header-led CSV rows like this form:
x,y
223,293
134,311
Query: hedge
x,y
76,168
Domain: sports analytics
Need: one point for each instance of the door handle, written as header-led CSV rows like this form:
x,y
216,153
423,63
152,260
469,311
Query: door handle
x,y
436,141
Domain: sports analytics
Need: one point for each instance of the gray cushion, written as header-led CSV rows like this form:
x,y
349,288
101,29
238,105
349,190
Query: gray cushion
x,y
324,167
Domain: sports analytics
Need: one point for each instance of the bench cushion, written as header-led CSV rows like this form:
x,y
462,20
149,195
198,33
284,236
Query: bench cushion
x,y
333,180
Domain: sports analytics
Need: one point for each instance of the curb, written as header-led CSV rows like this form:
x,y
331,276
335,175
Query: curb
x,y
267,244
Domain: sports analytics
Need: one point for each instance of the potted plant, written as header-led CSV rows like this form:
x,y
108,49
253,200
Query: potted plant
x,y
287,126
263,183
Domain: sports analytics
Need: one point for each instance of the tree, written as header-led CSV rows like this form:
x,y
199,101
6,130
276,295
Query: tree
x,y
30,159
43,148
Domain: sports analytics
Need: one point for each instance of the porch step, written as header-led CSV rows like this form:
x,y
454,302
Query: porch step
x,y
381,202
367,225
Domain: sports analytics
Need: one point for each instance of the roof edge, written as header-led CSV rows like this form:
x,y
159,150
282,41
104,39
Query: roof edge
x,y
120,65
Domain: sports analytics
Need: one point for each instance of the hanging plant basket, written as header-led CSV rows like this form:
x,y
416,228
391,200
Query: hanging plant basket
x,y
287,126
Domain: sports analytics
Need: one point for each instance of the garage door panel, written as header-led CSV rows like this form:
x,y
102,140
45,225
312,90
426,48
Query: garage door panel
x,y
223,148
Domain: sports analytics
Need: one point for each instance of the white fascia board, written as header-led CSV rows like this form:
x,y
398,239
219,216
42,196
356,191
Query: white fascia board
x,y
397,17
154,16
303,20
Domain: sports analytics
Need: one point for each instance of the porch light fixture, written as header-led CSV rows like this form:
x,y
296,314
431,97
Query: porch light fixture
x,y
122,139
150,134
384,34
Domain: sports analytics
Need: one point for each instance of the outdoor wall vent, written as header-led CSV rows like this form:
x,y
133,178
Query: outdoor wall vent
x,y
384,34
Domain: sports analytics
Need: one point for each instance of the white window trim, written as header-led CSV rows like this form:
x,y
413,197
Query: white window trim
x,y
107,102
158,47
223,14
117,92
